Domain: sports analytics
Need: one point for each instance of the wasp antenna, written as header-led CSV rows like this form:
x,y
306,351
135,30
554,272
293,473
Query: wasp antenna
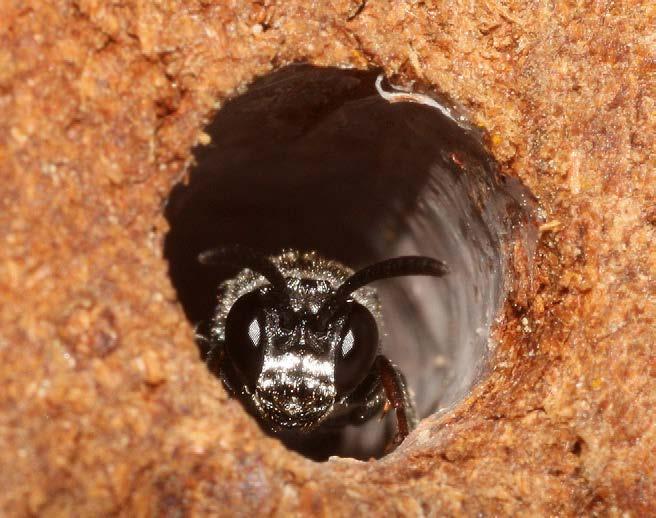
x,y
395,267
239,255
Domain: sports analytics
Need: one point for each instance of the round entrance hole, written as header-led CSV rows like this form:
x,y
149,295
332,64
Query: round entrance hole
x,y
333,161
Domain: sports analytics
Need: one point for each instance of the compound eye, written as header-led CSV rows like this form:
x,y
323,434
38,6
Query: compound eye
x,y
357,349
244,336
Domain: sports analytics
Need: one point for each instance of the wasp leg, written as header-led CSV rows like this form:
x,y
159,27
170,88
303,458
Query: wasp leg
x,y
214,360
367,401
372,405
364,403
202,335
211,351
398,396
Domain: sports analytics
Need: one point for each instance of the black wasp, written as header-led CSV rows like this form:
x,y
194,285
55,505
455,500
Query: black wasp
x,y
297,338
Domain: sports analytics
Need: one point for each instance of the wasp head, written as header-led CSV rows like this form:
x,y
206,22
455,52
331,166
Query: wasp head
x,y
298,342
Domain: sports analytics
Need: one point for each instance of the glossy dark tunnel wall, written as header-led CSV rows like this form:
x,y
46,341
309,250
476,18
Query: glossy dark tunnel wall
x,y
317,159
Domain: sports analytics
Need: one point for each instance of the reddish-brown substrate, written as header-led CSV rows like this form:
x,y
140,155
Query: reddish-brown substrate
x,y
105,406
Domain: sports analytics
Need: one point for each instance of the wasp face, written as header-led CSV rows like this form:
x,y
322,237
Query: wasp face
x,y
296,385
295,390
295,336
293,368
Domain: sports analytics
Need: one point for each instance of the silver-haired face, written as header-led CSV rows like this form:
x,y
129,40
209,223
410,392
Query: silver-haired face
x,y
297,337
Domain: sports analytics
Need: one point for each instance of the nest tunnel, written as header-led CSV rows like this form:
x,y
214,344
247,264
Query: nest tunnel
x,y
329,160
